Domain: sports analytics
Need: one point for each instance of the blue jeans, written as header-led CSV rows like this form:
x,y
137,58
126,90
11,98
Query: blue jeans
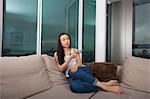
x,y
82,81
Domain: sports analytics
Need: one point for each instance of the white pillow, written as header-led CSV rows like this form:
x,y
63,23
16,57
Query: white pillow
x,y
22,76
136,73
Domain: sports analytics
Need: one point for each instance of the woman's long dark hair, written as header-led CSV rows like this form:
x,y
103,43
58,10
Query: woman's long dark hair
x,y
60,50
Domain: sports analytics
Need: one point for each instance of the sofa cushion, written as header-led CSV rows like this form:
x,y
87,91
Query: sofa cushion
x,y
56,76
136,73
61,92
50,62
128,94
22,76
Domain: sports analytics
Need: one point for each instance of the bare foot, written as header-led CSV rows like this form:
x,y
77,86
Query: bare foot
x,y
110,88
111,83
114,89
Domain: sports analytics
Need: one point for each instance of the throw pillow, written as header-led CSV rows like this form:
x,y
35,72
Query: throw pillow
x,y
56,76
136,73
104,71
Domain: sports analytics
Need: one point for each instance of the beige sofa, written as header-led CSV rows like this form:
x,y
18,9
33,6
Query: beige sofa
x,y
37,77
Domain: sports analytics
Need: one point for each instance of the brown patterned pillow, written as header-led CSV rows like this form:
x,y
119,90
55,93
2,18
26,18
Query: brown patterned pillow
x,y
104,71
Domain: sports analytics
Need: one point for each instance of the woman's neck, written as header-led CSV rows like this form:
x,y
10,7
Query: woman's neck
x,y
66,50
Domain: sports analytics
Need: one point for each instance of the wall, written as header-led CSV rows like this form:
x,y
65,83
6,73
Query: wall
x,y
100,36
1,22
128,27
121,30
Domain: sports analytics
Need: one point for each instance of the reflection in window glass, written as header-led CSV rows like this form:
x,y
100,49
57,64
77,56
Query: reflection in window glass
x,y
89,30
141,36
19,33
58,16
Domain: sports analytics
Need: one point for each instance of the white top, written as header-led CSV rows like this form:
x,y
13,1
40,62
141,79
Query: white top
x,y
72,62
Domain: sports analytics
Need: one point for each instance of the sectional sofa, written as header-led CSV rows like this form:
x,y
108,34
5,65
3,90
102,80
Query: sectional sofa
x,y
37,77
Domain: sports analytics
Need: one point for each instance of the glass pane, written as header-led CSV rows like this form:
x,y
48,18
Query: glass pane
x,y
141,36
19,35
89,17
58,16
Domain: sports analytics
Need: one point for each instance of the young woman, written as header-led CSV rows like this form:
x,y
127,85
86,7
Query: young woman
x,y
79,76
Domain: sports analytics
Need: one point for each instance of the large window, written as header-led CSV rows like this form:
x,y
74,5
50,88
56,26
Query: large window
x,y
141,31
24,20
89,17
58,16
20,25
19,32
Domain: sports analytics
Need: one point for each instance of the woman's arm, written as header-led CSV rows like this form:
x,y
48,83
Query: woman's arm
x,y
79,61
65,64
78,64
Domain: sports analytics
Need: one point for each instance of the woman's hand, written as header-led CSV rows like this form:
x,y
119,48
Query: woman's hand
x,y
73,55
74,68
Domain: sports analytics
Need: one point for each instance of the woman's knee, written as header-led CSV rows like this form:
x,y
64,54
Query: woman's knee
x,y
75,87
81,87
